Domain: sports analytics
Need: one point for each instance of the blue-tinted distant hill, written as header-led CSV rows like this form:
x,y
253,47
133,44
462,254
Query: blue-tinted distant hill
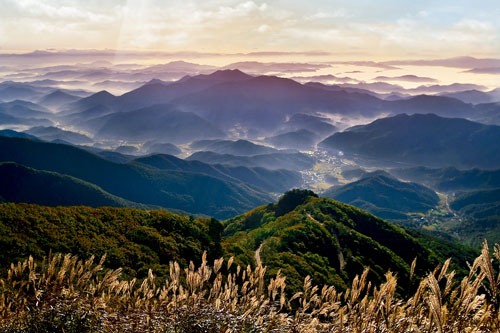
x,y
273,161
24,113
451,179
383,195
159,93
158,122
261,178
422,139
319,125
238,147
52,133
57,99
14,134
24,184
300,139
187,191
262,105
154,147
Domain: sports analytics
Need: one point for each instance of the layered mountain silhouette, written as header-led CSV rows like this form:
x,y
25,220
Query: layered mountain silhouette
x,y
471,96
261,105
14,134
13,91
420,139
238,147
300,139
154,147
451,178
24,184
264,179
20,112
187,191
159,122
273,161
159,93
101,98
57,99
23,109
52,133
6,119
383,195
319,125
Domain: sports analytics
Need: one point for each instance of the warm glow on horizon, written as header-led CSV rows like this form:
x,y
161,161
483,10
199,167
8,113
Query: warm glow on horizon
x,y
379,30
345,39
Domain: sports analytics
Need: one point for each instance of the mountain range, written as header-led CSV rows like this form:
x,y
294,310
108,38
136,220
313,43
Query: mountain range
x,y
24,184
57,99
52,133
418,139
300,139
193,192
238,147
264,104
450,178
264,179
159,122
383,195
272,161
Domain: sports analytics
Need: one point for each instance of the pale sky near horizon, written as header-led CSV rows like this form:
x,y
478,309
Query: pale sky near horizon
x,y
356,28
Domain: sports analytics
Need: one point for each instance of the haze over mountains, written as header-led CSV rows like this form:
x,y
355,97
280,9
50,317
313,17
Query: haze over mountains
x,y
198,157
173,189
244,133
333,154
383,195
427,140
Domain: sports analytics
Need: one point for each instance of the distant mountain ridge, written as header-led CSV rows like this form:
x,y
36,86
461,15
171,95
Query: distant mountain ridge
x,y
261,105
300,139
268,180
57,99
186,191
159,122
237,147
52,133
420,139
451,179
383,195
273,161
24,184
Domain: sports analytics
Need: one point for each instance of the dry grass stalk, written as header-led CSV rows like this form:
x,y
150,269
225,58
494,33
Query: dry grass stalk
x,y
66,294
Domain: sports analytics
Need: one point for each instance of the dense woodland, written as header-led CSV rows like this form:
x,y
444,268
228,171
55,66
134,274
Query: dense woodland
x,y
300,235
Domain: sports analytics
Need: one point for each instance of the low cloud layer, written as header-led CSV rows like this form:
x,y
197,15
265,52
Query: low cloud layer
x,y
384,87
406,78
324,79
457,62
273,67
487,70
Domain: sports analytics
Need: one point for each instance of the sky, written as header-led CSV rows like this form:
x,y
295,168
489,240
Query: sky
x,y
353,29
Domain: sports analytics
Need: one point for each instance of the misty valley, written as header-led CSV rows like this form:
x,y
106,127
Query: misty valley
x,y
176,164
242,140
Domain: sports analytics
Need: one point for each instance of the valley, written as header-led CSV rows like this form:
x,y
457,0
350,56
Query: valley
x,y
258,166
252,138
